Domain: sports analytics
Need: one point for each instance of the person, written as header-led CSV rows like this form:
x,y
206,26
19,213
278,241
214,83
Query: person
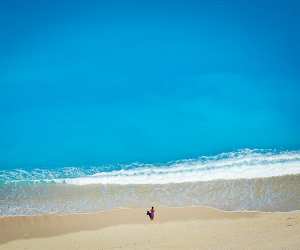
x,y
151,213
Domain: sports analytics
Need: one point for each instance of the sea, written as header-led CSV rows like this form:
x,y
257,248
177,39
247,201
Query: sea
x,y
246,179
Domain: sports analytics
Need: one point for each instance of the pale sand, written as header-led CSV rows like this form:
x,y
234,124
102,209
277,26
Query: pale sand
x,y
173,228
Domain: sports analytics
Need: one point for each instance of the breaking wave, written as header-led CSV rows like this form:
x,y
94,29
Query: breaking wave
x,y
243,164
265,180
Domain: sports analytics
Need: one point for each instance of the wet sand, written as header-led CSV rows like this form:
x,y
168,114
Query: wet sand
x,y
173,228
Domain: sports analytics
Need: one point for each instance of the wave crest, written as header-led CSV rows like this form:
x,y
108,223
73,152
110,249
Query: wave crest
x,y
242,164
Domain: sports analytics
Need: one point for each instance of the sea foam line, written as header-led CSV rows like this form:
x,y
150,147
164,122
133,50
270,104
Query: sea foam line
x,y
242,164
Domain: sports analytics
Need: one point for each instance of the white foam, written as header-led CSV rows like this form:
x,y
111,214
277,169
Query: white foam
x,y
244,164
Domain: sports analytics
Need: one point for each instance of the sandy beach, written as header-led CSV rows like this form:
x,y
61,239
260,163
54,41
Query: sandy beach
x,y
173,228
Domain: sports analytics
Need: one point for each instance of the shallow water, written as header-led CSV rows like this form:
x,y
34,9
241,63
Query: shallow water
x,y
243,180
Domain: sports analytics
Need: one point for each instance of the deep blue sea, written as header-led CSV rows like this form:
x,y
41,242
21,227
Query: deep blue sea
x,y
119,104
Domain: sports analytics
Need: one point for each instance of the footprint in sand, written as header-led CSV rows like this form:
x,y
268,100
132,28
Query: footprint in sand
x,y
291,221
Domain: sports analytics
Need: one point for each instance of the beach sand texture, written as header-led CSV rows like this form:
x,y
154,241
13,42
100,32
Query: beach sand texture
x,y
173,228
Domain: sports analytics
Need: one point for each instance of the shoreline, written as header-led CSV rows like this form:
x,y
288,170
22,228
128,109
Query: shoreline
x,y
185,222
161,206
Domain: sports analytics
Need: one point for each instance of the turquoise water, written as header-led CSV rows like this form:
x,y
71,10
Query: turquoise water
x,y
101,83
104,104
